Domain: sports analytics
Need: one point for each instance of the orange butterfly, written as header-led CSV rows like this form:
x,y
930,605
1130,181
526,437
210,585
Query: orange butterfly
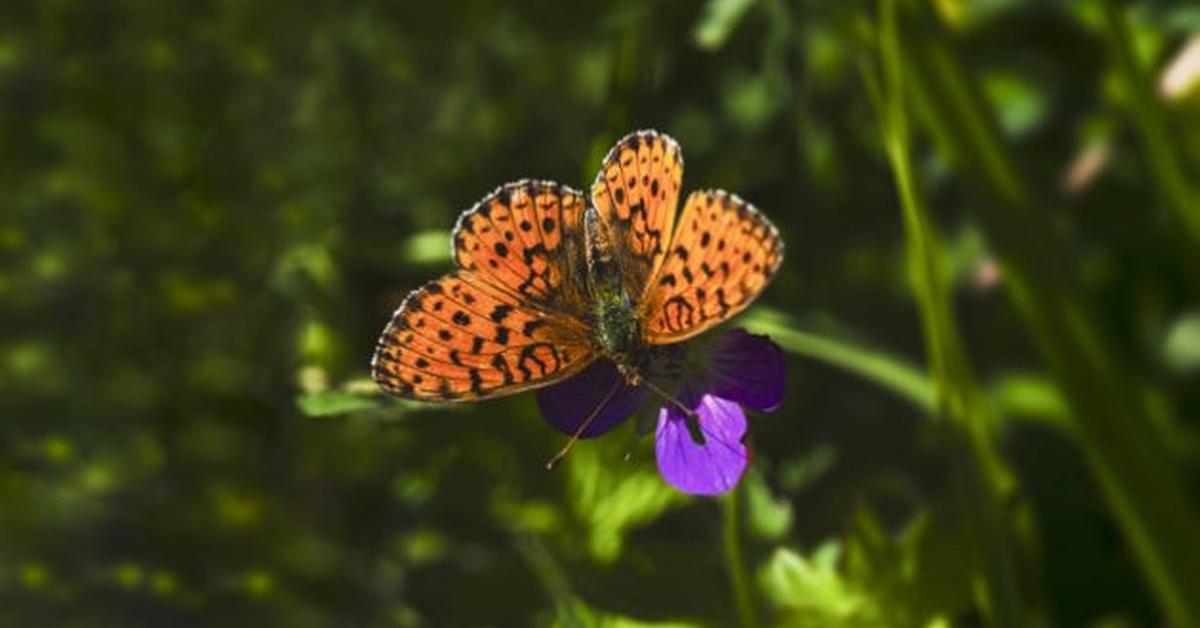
x,y
546,285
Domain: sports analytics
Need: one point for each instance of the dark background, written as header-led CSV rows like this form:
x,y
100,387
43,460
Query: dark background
x,y
209,209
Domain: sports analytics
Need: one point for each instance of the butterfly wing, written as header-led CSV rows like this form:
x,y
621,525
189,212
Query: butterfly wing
x,y
637,192
525,240
460,339
722,254
510,318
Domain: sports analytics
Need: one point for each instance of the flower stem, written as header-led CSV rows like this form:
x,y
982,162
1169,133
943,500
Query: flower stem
x,y
731,537
550,575
983,477
886,370
1106,407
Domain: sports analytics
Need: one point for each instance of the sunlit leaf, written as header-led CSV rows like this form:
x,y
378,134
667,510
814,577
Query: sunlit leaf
x,y
428,247
1182,345
718,21
767,518
811,592
335,402
528,516
612,495
1021,104
1028,396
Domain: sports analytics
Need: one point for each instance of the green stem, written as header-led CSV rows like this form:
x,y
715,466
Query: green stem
x,y
1143,490
1016,395
731,539
551,577
982,476
890,372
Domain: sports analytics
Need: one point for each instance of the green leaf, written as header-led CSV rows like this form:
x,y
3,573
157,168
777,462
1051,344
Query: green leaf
x,y
767,518
1021,105
583,616
569,611
922,573
1023,395
1181,348
811,592
719,19
801,472
335,402
612,492
428,247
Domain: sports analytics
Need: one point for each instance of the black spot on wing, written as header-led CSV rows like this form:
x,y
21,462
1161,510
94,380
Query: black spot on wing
x,y
501,365
500,312
531,326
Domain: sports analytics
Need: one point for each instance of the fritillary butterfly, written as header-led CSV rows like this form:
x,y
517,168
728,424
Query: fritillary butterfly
x,y
545,284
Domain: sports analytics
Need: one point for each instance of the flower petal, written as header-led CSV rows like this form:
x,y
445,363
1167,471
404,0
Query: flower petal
x,y
709,469
748,369
568,404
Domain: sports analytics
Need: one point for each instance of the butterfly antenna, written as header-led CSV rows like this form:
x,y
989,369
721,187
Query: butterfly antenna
x,y
688,412
692,419
582,428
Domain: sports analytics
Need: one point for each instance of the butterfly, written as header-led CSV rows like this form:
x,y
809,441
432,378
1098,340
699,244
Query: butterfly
x,y
546,283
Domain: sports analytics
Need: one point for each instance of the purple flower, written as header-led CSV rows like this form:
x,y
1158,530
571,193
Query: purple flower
x,y
701,454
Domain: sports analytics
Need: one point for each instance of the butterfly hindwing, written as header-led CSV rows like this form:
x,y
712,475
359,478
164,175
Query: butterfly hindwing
x,y
722,254
458,339
637,193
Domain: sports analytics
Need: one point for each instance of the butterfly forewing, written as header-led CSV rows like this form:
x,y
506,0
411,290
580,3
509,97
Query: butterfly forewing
x,y
637,192
721,256
521,239
459,339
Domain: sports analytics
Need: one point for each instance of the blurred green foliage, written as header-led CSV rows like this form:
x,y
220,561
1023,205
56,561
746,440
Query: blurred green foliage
x,y
990,303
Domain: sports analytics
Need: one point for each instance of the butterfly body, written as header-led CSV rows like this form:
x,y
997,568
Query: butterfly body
x,y
616,327
547,284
